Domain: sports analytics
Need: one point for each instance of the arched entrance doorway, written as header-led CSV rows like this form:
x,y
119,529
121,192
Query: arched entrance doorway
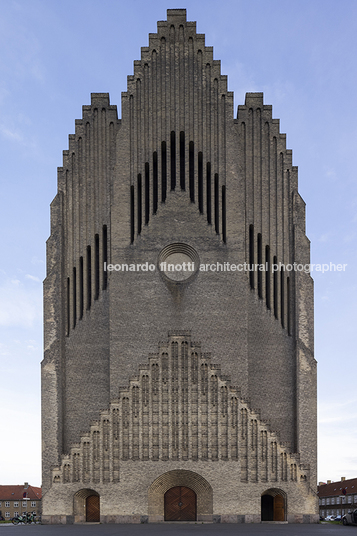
x,y
273,506
181,478
86,506
180,504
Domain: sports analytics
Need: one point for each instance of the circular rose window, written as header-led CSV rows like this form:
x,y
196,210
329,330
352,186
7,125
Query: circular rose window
x,y
178,262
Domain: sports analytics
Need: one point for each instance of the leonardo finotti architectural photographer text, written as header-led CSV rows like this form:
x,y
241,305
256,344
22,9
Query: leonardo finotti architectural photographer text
x,y
224,267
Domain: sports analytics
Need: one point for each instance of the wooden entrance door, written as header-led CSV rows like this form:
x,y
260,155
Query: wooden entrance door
x,y
279,511
180,504
267,508
92,509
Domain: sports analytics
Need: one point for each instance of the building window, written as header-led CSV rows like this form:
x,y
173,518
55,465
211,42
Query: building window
x,y
349,500
89,277
333,500
139,202
323,501
251,256
338,500
24,503
33,504
191,171
155,183
275,288
328,500
105,256
7,504
147,193
16,514
322,513
260,262
355,500
96,266
16,504
81,291
68,306
7,514
74,297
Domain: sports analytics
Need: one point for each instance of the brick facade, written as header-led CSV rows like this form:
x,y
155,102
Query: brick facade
x,y
178,179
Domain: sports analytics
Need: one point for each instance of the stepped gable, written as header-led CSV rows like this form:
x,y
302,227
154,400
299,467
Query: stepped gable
x,y
179,407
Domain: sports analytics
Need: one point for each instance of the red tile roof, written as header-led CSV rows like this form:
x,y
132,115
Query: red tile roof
x,y
15,493
335,488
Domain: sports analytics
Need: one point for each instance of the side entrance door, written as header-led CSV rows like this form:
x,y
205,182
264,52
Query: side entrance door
x,y
92,509
279,513
180,504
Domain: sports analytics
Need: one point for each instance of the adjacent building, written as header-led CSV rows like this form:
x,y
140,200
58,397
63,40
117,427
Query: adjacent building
x,y
15,500
337,498
179,379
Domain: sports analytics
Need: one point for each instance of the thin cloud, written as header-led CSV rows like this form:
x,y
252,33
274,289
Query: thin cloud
x,y
20,306
33,278
11,134
325,237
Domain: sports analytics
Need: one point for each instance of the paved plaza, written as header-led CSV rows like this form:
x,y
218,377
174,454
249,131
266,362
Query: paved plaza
x,y
179,529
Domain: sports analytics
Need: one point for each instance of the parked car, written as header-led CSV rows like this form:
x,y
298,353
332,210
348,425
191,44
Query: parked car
x,y
338,518
330,518
350,518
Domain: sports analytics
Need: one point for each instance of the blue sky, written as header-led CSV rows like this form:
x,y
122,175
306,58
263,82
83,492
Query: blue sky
x,y
53,54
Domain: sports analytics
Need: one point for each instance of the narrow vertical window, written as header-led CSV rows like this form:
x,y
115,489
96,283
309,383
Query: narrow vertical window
x,y
260,262
288,304
147,193
191,170
275,284
89,277
282,308
267,277
224,225
74,298
182,160
209,195
96,266
251,256
105,256
163,171
173,160
200,182
132,216
140,216
81,297
68,306
216,203
155,185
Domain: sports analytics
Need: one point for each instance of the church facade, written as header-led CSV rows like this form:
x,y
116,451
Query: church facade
x,y
178,380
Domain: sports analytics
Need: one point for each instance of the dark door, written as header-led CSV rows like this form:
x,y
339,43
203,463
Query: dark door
x,y
92,509
279,511
180,504
267,508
